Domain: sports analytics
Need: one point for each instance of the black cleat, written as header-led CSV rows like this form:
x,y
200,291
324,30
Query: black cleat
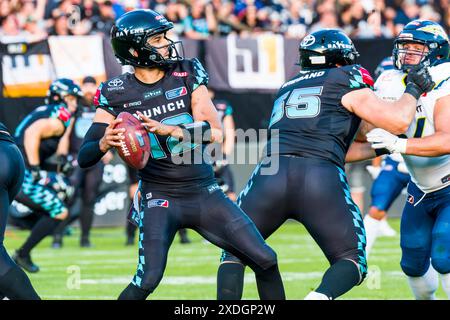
x,y
185,240
26,263
57,242
130,241
85,243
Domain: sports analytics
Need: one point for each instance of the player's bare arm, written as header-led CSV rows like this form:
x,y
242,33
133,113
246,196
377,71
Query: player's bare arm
x,y
434,145
41,129
395,116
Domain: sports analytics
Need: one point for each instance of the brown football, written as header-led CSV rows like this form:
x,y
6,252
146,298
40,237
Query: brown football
x,y
135,148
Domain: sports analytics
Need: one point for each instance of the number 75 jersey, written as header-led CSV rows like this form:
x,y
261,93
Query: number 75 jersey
x,y
308,118
428,173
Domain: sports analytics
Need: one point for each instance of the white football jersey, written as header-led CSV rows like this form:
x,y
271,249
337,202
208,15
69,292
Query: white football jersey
x,y
428,173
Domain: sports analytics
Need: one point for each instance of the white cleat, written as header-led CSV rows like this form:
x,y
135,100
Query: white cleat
x,y
316,296
385,230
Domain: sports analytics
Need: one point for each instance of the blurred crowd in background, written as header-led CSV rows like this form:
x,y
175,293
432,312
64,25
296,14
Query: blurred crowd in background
x,y
34,20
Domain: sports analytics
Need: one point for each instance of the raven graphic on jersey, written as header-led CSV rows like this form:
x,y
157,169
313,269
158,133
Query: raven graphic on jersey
x,y
167,101
308,118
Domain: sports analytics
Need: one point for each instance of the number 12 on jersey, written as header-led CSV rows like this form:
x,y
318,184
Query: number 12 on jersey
x,y
298,103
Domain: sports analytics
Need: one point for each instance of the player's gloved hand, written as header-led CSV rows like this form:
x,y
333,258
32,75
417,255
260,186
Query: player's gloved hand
x,y
419,81
380,138
36,173
373,171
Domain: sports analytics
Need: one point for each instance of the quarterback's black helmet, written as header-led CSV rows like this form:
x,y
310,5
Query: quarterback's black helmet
x,y
129,39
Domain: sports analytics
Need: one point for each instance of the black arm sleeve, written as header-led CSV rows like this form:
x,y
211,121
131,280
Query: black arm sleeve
x,y
90,152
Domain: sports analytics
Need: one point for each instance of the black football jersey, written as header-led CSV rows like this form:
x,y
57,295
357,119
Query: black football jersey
x,y
167,101
309,117
5,136
48,146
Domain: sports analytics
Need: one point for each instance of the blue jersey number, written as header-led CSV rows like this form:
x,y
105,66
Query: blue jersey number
x,y
301,103
174,146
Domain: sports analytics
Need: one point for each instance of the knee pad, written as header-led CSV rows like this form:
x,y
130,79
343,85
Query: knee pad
x,y
414,262
149,281
269,258
358,257
441,264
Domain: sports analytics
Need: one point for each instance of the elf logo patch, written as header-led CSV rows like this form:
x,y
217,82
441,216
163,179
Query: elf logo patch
x,y
175,93
158,203
410,199
180,74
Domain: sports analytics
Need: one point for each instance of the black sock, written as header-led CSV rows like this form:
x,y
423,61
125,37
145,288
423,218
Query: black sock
x,y
270,285
16,286
230,281
61,227
86,218
131,230
44,227
134,293
339,278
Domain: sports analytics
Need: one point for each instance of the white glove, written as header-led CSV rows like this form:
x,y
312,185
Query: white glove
x,y
380,139
373,171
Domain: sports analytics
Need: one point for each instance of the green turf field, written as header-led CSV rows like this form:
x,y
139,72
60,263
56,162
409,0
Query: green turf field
x,y
103,271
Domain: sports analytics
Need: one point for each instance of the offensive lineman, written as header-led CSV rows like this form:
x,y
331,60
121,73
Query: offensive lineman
x,y
425,224
317,114
169,94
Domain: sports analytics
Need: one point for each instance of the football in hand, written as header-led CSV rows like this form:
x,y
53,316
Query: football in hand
x,y
135,148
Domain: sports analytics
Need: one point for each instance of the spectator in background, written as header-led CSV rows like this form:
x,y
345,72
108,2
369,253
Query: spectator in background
x,y
177,13
60,26
388,14
227,22
327,19
10,31
159,6
372,27
296,16
90,9
408,12
427,12
201,20
249,18
105,20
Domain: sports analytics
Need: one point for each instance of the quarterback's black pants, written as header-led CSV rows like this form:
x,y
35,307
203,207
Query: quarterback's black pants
x,y
209,212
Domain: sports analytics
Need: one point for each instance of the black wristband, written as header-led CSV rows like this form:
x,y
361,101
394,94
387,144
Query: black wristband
x,y
197,132
35,168
413,90
382,151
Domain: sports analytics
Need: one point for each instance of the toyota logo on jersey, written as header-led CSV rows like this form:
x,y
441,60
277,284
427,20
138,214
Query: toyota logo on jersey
x,y
115,83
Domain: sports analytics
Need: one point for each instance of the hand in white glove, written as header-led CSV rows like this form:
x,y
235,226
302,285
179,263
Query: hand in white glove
x,y
380,138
